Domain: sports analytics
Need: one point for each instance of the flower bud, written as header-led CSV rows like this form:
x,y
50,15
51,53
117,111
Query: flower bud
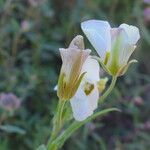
x,y
73,59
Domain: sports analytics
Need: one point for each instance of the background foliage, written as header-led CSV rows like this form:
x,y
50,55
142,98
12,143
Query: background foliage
x,y
31,31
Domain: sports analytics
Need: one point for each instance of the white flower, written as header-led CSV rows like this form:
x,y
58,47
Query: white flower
x,y
114,45
73,59
85,101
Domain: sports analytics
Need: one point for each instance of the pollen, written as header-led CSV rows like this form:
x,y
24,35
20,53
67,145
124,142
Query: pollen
x,y
88,88
102,84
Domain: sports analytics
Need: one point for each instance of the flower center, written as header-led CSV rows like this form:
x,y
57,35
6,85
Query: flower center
x,y
88,88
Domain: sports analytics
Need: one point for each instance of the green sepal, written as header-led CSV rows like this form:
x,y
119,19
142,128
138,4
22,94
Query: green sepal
x,y
74,89
67,91
101,63
123,70
61,85
67,114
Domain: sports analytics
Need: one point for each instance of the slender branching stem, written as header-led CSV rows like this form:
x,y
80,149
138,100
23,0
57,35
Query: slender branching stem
x,y
108,91
57,123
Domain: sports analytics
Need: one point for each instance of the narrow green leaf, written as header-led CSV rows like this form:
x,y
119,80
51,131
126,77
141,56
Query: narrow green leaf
x,y
12,129
76,125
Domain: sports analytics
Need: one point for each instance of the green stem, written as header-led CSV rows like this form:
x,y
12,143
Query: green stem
x,y
57,124
108,91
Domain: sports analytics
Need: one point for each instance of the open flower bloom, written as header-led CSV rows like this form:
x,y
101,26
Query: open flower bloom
x,y
114,45
71,76
85,100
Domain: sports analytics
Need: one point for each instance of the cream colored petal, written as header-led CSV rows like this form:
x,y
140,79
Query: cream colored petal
x,y
115,34
77,42
82,105
121,49
56,88
93,98
132,32
117,43
68,58
125,54
73,51
73,57
92,69
98,33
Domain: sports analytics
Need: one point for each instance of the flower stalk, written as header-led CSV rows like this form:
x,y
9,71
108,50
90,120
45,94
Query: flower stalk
x,y
109,90
57,123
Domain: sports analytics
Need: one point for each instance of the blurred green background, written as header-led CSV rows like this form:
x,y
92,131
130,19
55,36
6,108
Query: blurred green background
x,y
31,32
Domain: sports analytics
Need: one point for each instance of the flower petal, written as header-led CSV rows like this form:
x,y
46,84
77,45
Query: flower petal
x,y
121,49
80,106
92,69
73,56
84,105
77,42
93,98
56,88
117,42
98,33
132,32
125,54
